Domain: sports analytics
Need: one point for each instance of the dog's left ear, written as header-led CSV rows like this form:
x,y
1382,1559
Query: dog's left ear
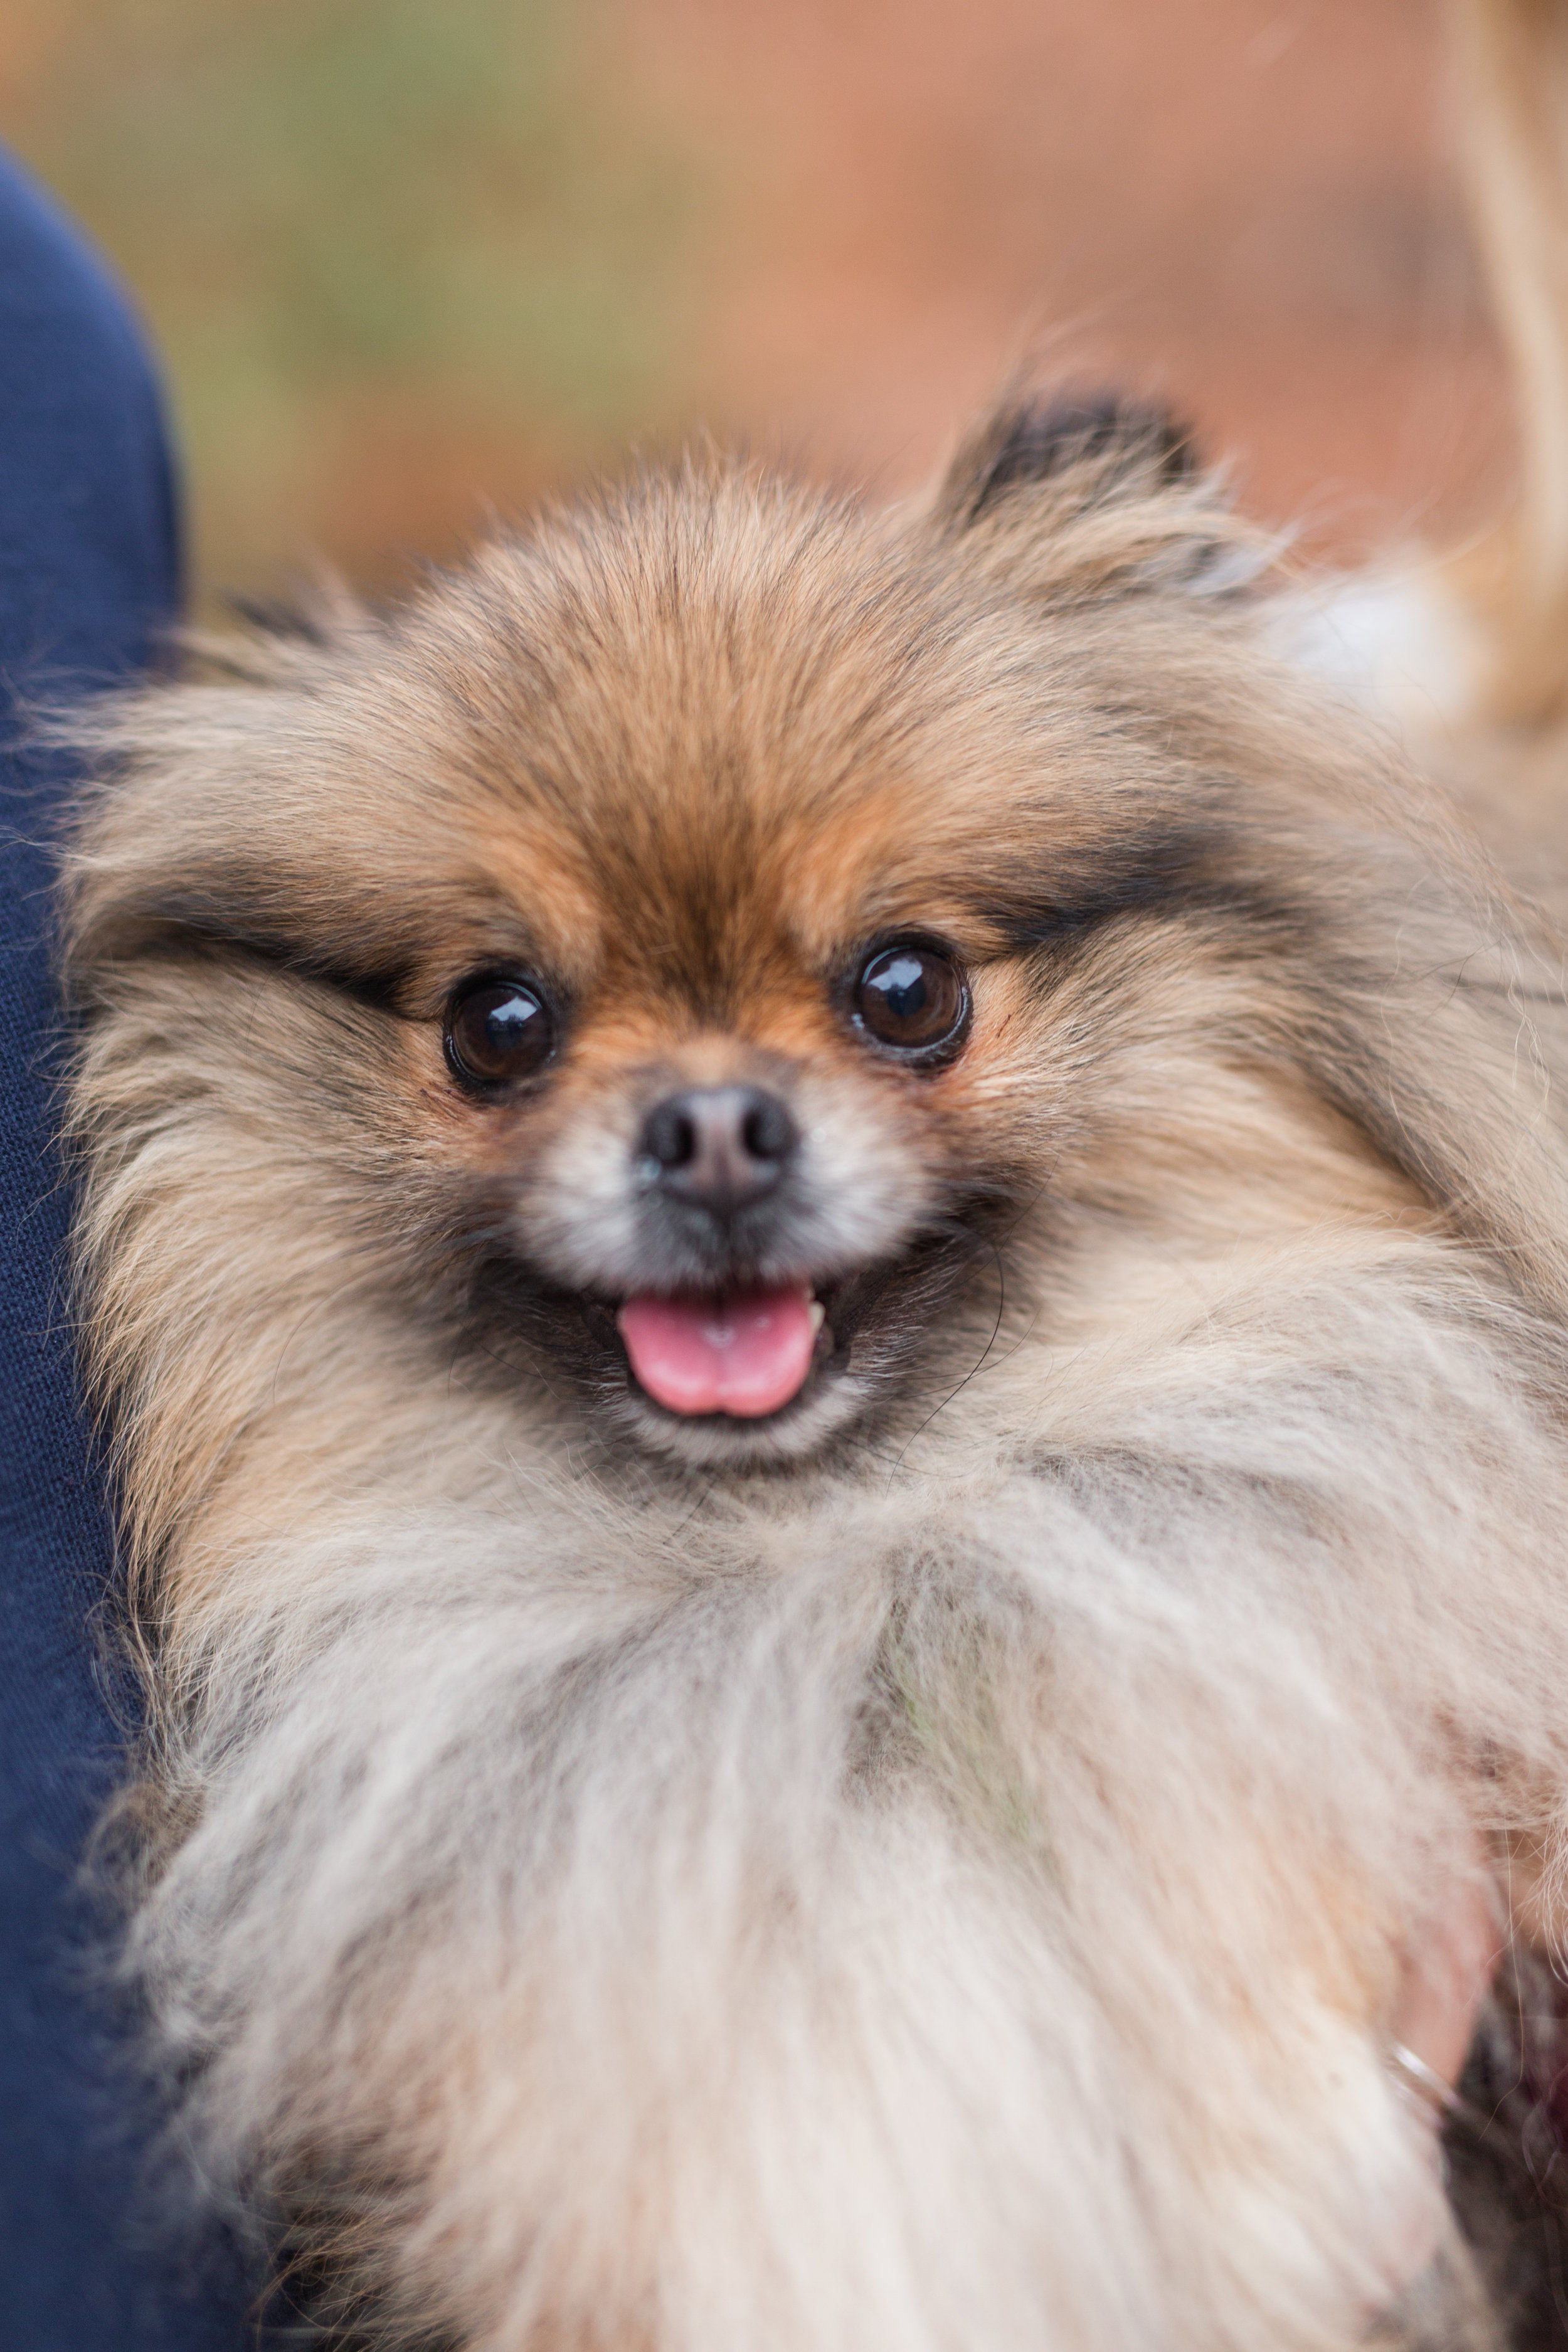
x,y
1095,491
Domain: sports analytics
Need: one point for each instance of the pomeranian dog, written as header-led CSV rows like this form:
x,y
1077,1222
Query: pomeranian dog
x,y
829,1255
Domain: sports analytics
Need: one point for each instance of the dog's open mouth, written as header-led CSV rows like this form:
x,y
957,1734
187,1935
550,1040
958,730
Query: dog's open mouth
x,y
746,1359
745,1352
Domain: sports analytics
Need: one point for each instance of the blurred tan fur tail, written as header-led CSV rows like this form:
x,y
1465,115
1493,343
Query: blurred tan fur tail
x,y
1512,60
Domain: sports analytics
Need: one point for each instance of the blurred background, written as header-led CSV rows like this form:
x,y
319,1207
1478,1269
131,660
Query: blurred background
x,y
415,262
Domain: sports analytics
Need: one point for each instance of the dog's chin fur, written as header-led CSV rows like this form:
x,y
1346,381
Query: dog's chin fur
x,y
717,1440
932,1867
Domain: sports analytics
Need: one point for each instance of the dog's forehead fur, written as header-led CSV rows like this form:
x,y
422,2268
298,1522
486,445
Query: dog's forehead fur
x,y
709,731
706,727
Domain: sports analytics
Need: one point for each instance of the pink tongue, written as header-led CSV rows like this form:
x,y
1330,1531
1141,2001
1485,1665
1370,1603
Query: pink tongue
x,y
746,1354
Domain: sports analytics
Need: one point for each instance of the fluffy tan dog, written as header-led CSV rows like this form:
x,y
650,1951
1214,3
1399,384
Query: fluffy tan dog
x,y
830,1254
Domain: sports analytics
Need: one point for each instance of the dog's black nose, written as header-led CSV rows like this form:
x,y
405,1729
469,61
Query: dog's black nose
x,y
720,1148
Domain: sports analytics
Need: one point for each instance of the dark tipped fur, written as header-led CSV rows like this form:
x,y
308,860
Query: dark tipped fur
x,y
1113,445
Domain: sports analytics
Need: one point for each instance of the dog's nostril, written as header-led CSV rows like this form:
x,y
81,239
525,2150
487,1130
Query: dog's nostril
x,y
669,1136
719,1147
767,1131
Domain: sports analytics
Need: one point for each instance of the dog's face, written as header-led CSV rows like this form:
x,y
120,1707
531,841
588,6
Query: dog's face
x,y
713,1090
719,958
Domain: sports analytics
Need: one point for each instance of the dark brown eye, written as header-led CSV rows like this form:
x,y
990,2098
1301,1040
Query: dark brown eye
x,y
499,1030
913,999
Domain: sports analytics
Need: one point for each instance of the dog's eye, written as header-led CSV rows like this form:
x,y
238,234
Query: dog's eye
x,y
912,998
499,1030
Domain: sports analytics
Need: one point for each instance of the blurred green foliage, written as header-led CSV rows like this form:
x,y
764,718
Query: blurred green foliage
x,y
401,255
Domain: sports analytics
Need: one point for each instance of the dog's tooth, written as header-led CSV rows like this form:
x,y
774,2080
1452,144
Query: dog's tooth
x,y
816,1312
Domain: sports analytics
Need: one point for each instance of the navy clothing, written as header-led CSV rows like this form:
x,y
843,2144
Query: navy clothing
x,y
89,580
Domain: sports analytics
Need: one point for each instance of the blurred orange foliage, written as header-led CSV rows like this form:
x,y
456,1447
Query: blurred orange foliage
x,y
412,261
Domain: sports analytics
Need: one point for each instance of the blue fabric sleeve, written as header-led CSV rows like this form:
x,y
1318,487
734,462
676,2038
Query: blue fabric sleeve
x,y
89,580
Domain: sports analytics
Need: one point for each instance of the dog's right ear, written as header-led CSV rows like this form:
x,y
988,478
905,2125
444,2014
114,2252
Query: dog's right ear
x,y
1093,487
1092,446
